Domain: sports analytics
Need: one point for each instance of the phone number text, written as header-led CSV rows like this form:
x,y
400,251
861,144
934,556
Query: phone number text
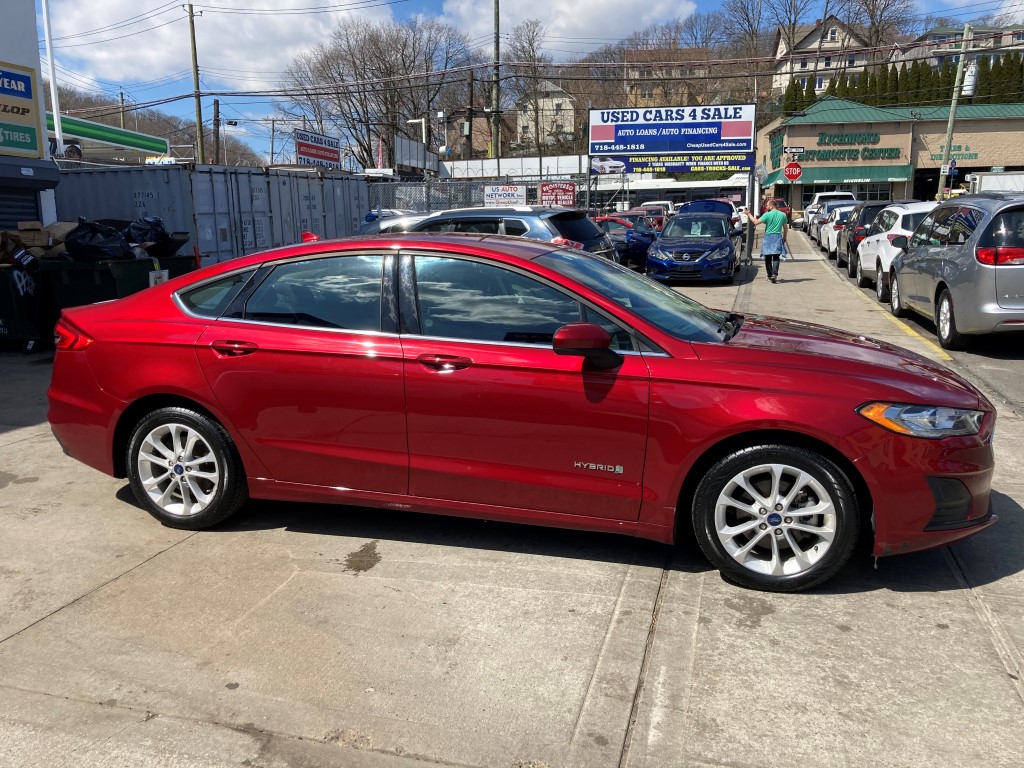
x,y
619,147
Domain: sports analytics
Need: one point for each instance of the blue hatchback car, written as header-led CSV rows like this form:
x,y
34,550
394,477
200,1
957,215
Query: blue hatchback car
x,y
694,246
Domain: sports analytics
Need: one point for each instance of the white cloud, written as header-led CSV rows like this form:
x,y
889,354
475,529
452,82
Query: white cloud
x,y
236,51
590,22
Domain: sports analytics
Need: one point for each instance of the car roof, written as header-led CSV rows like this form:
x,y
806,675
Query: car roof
x,y
504,210
914,207
701,214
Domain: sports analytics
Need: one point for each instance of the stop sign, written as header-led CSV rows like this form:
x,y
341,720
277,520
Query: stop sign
x,y
792,171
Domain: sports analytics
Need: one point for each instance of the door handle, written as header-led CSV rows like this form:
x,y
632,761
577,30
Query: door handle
x,y
233,348
444,363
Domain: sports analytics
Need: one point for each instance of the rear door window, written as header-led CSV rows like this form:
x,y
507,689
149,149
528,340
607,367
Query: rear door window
x,y
963,223
341,292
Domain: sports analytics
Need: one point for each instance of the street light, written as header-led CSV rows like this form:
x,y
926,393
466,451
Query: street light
x,y
423,124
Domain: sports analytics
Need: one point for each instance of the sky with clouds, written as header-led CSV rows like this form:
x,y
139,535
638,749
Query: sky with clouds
x,y
141,47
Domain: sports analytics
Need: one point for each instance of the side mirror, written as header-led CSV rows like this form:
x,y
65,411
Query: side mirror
x,y
900,241
589,341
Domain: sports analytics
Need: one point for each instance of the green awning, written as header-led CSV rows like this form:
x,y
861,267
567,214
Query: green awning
x,y
853,174
772,178
77,128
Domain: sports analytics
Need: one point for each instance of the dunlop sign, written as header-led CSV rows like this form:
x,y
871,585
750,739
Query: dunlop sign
x,y
20,129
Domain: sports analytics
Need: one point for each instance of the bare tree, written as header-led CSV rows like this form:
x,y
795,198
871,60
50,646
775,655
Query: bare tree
x,y
529,67
374,76
750,39
789,16
883,20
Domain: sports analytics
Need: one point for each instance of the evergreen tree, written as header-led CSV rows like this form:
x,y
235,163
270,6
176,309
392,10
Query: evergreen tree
x,y
947,79
843,88
1015,79
903,83
998,92
983,84
831,89
892,87
872,89
918,83
809,95
793,99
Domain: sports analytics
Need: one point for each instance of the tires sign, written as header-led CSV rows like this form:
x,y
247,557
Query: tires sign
x,y
792,171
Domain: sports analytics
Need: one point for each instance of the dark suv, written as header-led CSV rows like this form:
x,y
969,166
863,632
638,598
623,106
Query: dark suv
x,y
856,230
563,226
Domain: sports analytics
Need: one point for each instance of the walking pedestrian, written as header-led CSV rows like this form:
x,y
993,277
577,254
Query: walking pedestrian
x,y
776,232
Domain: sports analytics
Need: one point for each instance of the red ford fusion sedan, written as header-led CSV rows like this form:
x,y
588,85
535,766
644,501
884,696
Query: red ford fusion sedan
x,y
514,380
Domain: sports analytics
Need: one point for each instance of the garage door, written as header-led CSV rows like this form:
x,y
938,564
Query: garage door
x,y
18,205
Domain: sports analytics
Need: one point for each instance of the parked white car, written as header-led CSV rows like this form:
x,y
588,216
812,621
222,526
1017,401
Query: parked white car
x,y
876,250
828,235
604,164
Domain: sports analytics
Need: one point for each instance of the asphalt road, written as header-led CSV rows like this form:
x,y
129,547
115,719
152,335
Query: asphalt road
x,y
301,635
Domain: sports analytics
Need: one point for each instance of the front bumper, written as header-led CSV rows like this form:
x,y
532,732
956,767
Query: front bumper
x,y
704,269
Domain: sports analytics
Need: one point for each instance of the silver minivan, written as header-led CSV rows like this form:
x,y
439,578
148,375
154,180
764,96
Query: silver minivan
x,y
963,267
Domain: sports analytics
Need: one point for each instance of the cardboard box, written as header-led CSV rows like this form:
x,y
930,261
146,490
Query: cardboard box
x,y
32,235
59,230
56,252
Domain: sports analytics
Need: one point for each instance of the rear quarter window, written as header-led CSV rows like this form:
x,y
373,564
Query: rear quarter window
x,y
213,298
1005,231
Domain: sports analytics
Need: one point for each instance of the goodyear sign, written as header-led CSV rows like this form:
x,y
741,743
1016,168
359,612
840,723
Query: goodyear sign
x,y
20,129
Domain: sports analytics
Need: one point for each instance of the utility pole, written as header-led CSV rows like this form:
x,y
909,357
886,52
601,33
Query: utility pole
x,y
495,100
469,117
200,148
58,129
216,131
272,126
964,46
121,100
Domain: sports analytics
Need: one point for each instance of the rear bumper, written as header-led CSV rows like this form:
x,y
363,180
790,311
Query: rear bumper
x,y
81,415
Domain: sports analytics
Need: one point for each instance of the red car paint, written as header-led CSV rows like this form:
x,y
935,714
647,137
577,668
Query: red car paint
x,y
512,432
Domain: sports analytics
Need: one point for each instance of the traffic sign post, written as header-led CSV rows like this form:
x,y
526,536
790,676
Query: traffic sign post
x,y
792,171
793,150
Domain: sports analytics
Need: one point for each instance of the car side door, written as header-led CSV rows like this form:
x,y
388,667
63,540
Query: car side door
x,y
308,366
495,416
926,238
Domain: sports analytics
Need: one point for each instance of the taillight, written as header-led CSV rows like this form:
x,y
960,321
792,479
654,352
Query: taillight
x,y
67,337
567,242
995,257
891,237
838,227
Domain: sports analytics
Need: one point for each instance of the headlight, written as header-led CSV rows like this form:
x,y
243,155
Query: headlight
x,y
718,253
931,421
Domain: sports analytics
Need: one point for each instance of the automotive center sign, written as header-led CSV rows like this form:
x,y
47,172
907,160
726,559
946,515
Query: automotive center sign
x,y
676,139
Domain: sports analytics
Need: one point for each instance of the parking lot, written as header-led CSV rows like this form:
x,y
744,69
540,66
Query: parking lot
x,y
302,635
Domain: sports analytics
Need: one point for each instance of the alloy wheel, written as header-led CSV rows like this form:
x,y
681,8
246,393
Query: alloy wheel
x,y
775,519
178,469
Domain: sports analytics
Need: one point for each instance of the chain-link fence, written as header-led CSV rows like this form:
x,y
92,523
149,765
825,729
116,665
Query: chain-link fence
x,y
424,197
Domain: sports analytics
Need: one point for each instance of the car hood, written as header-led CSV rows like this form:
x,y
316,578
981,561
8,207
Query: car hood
x,y
690,244
820,348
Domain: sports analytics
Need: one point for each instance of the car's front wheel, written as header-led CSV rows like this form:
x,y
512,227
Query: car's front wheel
x,y
776,517
896,297
945,324
184,469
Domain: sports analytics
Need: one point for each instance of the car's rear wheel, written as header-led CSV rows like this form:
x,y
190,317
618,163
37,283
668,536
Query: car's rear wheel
x,y
863,281
851,265
896,297
776,517
184,469
881,285
945,323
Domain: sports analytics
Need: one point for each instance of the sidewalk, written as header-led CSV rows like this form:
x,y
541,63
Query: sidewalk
x,y
810,288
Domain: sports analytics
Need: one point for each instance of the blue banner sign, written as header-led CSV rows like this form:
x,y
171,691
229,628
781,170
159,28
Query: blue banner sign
x,y
15,84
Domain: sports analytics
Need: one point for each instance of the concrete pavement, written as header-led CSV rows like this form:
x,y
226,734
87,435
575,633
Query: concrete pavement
x,y
302,635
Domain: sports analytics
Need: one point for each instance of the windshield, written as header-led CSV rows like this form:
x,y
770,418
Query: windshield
x,y
659,305
694,226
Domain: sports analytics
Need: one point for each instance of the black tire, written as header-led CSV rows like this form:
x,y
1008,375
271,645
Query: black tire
x,y
192,490
881,284
858,270
838,257
945,327
745,557
896,307
851,264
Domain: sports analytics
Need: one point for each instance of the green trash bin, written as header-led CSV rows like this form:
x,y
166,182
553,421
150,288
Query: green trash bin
x,y
20,296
